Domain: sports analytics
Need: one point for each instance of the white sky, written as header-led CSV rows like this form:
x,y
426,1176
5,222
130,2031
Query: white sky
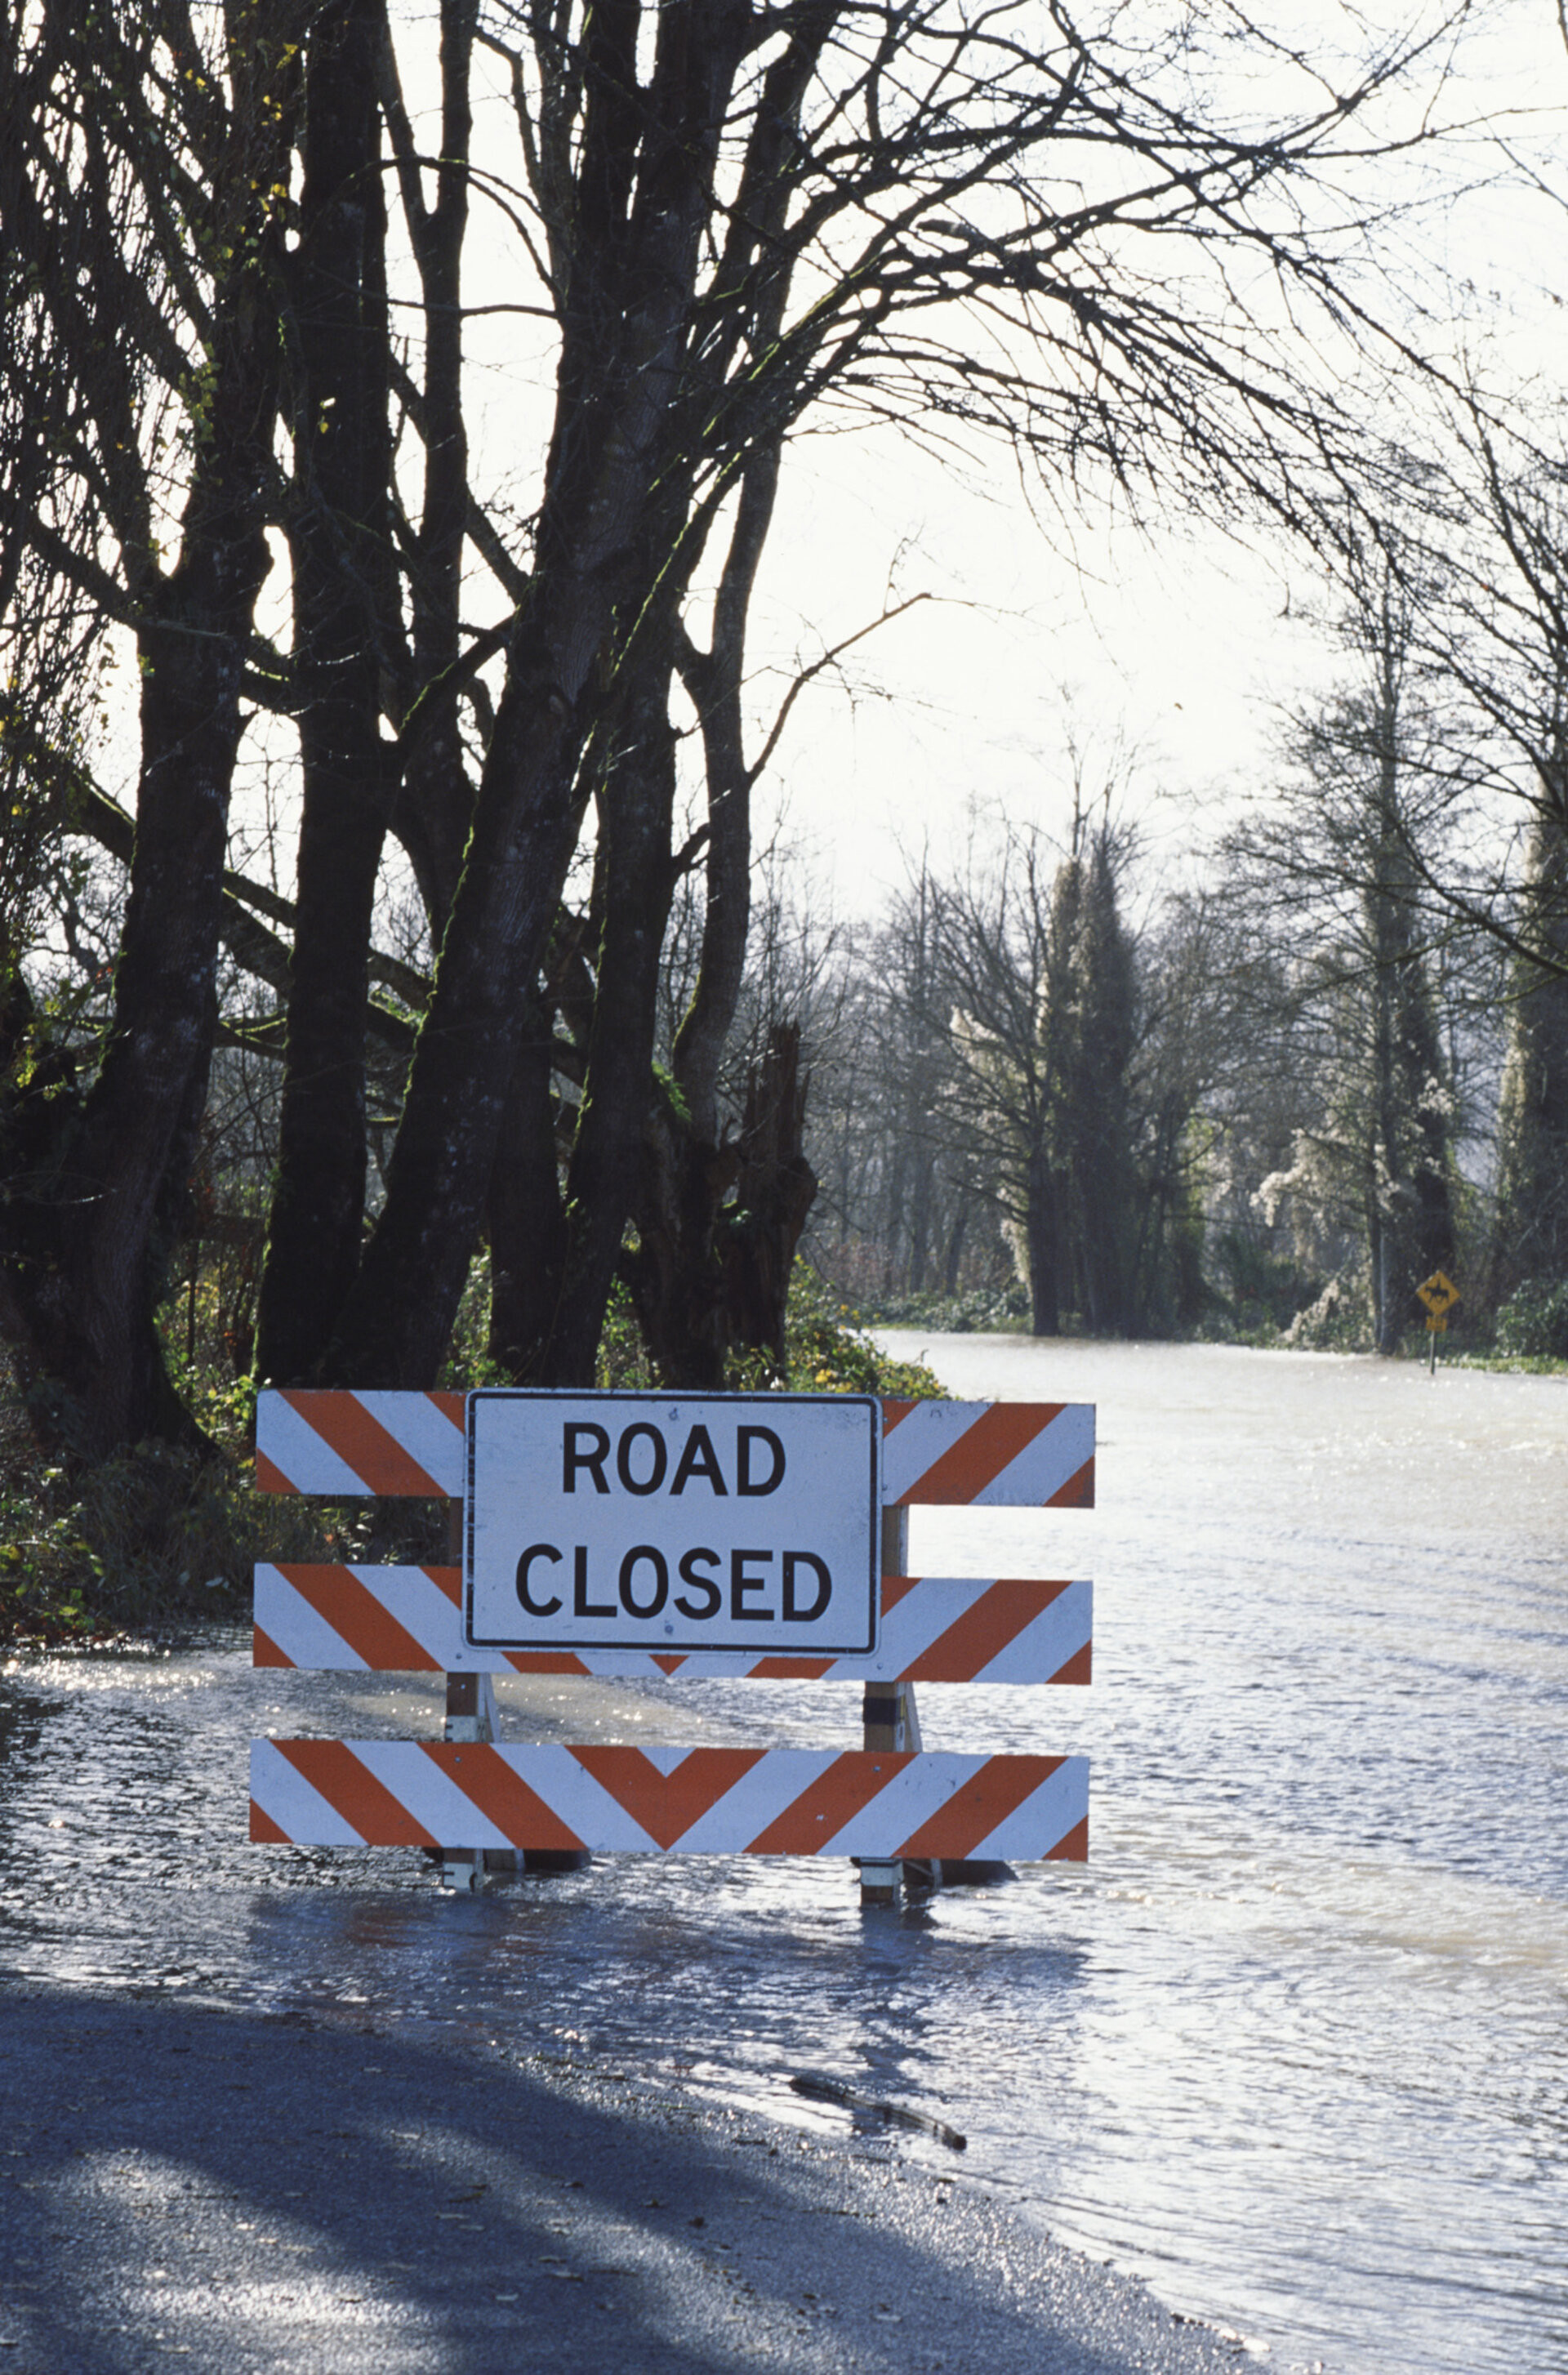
x,y
1167,645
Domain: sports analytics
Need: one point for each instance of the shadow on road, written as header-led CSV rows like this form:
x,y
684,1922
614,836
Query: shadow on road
x,y
270,2194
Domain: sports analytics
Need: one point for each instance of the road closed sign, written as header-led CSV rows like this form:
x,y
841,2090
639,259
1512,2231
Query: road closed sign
x,y
673,1522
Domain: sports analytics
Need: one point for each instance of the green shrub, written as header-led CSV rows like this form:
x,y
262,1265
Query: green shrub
x,y
829,1352
1337,1322
1533,1323
1266,1290
980,1310
622,1366
152,1540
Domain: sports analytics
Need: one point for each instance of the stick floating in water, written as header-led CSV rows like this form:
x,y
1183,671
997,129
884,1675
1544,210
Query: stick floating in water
x,y
833,2090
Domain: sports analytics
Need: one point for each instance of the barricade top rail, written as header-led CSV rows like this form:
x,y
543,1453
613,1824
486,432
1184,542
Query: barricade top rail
x,y
947,1454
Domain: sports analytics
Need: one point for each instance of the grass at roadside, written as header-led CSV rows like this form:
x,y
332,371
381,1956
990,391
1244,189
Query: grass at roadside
x,y
152,1541
1519,1365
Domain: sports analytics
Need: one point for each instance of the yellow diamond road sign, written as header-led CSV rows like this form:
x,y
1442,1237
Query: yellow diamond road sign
x,y
1439,1293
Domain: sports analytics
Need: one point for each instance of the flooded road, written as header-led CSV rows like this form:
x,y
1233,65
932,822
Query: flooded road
x,y
1292,2045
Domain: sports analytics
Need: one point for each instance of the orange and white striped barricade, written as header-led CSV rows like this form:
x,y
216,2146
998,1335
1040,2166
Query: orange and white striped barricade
x,y
934,1629
704,1800
888,1804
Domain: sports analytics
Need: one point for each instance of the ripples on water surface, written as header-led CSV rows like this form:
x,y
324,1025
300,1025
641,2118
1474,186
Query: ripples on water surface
x,y
1292,2045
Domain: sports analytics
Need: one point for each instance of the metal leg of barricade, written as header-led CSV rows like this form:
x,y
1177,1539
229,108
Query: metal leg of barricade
x,y
470,1715
887,1714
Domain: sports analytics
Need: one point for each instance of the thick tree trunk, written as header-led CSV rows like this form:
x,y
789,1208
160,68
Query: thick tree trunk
x,y
88,1244
702,1283
1043,1238
775,1193
635,880
676,1275
709,1274
394,1329
344,603
524,1217
92,1240
85,1244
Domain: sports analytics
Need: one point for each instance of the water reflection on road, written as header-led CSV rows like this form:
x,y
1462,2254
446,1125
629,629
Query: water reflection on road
x,y
1292,2044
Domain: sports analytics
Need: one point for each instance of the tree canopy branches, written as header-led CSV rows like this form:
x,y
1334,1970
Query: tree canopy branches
x,y
722,226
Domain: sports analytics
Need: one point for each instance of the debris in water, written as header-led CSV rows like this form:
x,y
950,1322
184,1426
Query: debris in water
x,y
833,2090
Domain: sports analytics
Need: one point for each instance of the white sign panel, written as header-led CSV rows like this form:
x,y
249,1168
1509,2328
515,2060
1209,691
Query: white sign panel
x,y
673,1522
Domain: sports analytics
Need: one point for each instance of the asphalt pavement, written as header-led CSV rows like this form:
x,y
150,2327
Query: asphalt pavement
x,y
278,2195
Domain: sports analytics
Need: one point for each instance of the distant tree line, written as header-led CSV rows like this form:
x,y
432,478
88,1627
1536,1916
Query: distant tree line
x,y
1330,1065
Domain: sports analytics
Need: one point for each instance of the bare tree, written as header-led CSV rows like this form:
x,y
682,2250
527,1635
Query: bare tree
x,y
138,193
1531,1236
1030,981
729,236
726,225
1341,868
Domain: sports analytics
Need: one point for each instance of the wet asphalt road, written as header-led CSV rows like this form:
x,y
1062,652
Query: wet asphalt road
x,y
268,2193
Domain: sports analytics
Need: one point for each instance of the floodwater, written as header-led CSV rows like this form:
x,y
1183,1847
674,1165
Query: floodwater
x,y
1292,2045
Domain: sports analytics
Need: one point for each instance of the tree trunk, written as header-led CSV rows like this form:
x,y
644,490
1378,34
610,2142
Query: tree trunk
x,y
1532,1118
1042,1225
434,806
107,1195
707,1274
775,1193
524,1214
675,1273
635,880
715,680
954,1254
89,1243
343,606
